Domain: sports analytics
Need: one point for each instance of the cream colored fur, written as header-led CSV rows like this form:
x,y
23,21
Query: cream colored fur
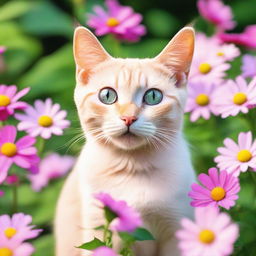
x,y
152,170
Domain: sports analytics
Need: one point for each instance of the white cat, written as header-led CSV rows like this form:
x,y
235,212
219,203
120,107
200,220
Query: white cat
x,y
131,111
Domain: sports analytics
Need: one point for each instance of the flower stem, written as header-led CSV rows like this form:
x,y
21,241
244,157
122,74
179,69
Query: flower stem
x,y
107,235
14,198
40,145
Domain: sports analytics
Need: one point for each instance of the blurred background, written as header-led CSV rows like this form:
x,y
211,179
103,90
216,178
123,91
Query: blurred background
x,y
38,37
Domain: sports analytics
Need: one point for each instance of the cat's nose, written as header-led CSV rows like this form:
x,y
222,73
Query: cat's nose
x,y
129,119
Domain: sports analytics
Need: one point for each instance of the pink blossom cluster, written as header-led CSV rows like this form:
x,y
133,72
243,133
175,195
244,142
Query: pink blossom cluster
x,y
14,231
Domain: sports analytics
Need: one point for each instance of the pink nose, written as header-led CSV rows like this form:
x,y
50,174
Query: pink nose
x,y
129,119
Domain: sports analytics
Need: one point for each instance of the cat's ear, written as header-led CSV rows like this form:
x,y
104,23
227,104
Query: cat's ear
x,y
88,52
177,55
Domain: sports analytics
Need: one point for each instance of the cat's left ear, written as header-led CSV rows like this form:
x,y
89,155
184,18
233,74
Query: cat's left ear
x,y
177,55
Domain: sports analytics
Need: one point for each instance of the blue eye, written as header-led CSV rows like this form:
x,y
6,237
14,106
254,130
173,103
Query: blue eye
x,y
108,96
153,97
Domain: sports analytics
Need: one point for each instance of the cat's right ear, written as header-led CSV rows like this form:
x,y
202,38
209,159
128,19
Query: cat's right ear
x,y
88,52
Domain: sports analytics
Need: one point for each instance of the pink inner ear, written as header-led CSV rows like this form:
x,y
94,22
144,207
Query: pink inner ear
x,y
181,78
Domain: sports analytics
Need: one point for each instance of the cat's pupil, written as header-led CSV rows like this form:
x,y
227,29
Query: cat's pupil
x,y
107,95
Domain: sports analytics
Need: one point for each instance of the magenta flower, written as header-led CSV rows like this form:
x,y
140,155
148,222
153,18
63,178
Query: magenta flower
x,y
235,96
127,219
104,251
2,49
51,167
118,20
17,228
219,189
22,152
200,102
212,233
217,13
9,100
10,248
237,157
248,66
44,119
12,179
246,38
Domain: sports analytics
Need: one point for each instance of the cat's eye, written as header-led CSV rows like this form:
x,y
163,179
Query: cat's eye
x,y
153,97
108,96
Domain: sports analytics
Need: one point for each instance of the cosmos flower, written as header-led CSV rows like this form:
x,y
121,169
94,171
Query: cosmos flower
x,y
2,49
51,167
248,66
9,100
10,248
236,158
22,152
246,38
118,20
235,96
217,13
44,119
219,189
200,102
127,219
212,233
104,251
17,228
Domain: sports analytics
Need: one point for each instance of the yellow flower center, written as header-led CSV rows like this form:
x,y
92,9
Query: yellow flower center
x,y
4,100
220,54
218,193
239,98
202,99
206,236
5,252
244,155
45,121
112,22
9,149
205,68
10,232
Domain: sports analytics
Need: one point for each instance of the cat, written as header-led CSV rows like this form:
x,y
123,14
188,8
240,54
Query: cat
x,y
131,111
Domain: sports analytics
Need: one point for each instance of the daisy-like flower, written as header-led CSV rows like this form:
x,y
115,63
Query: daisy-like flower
x,y
236,158
212,233
118,20
127,219
22,152
9,100
200,102
51,167
10,248
219,189
104,251
248,66
235,96
17,228
44,119
217,13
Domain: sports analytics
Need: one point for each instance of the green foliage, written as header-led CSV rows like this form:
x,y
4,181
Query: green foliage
x,y
140,234
92,245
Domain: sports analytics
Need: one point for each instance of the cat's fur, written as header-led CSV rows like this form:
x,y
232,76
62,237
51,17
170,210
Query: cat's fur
x,y
151,171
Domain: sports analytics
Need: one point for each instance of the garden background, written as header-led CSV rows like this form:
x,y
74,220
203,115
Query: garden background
x,y
38,38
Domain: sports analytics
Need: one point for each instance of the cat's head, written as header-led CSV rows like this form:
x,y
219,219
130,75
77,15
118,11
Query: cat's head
x,y
132,103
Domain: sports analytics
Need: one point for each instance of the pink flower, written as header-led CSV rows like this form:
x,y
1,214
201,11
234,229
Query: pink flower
x,y
22,152
44,119
104,251
9,100
127,219
17,228
12,179
248,66
51,167
212,233
235,96
219,189
118,20
237,157
200,102
2,49
217,13
10,248
246,38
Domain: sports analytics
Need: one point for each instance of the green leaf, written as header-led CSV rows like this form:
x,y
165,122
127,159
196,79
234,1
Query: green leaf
x,y
92,245
100,227
140,234
14,9
110,215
